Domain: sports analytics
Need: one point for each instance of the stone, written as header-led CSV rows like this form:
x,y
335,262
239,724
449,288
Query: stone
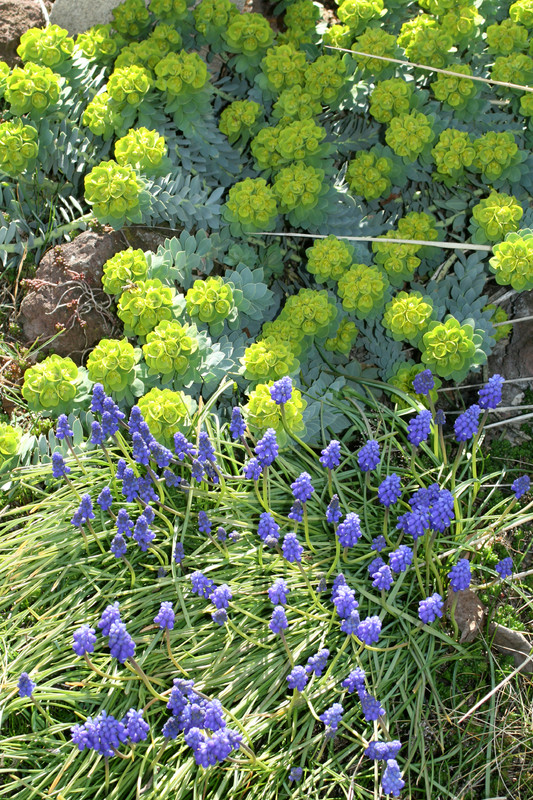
x,y
67,292
82,14
513,357
16,17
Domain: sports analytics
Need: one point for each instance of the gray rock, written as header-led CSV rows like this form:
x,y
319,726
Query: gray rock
x,y
76,16
67,294
16,17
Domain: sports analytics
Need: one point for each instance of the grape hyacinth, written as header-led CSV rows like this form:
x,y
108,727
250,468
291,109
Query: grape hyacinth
x,y
281,391
349,531
383,579
490,395
372,709
221,596
142,533
296,512
25,685
161,455
424,382
237,426
430,608
466,425
84,640
201,585
331,455
278,623
382,751
368,457
105,499
121,645
332,717
350,624
297,678
165,616
135,726
252,469
63,429
124,523
401,558
317,663
369,630
278,592
302,488
182,446
292,549
220,616
110,615
333,511
59,468
204,523
135,420
460,575
97,400
339,581
118,546
104,734
374,565
504,568
520,486
130,485
389,490
267,448
419,428
440,417
295,774
140,453
97,434
206,451
197,470
344,601
392,782
84,512
179,553
268,529
379,543
355,682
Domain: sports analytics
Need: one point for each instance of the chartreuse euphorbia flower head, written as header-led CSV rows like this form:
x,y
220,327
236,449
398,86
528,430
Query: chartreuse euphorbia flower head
x,y
512,262
51,384
127,266
9,442
144,305
112,363
166,412
262,412
363,290
18,147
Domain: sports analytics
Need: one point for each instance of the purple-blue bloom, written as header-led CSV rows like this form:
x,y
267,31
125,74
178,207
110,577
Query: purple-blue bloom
x,y
142,533
135,420
460,575
296,511
368,456
201,585
110,615
165,616
267,448
332,716
331,455
520,486
161,455
490,395
382,751
124,523
105,499
139,451
84,639
204,523
302,489
63,428
84,512
104,734
206,451
379,543
383,578
25,685
430,608
424,382
295,774
333,511
317,663
466,425
339,581
179,553
344,601
355,682
504,568
297,678
135,726
419,428
237,426
392,782
252,469
350,624
374,565
220,616
278,592
372,708
389,490
182,446
221,596
349,531
268,528
97,434
130,485
118,546
121,645
278,623
401,558
97,400
440,417
369,630
281,391
59,468
292,549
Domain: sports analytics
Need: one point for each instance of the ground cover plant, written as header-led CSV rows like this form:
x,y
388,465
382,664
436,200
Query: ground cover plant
x,y
276,616
236,561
